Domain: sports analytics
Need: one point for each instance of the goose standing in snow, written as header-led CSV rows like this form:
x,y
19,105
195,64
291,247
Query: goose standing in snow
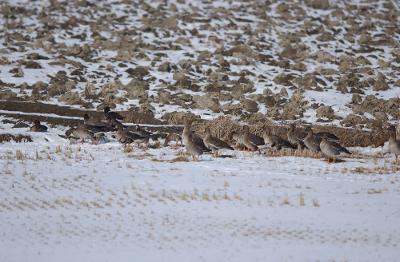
x,y
293,137
394,144
311,141
193,148
124,136
255,139
275,141
247,140
332,149
187,132
82,133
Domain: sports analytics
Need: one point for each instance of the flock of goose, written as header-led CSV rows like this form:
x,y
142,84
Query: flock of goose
x,y
324,142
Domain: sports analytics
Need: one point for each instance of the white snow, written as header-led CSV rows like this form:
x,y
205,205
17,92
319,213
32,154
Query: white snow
x,y
83,202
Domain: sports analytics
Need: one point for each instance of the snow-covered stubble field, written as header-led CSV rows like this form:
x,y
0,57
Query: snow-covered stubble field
x,y
83,202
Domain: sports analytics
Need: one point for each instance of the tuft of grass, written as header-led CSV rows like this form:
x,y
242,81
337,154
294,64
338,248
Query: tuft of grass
x,y
301,199
316,203
19,155
58,149
37,156
285,200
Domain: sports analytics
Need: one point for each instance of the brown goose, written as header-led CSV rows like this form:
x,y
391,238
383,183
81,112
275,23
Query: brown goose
x,y
214,143
94,125
247,140
293,137
394,144
236,137
124,136
37,127
255,139
173,137
193,148
311,141
82,133
187,132
332,149
276,141
111,115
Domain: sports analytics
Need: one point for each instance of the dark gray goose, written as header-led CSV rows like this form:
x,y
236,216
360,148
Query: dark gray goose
x,y
332,149
255,139
275,141
293,137
311,141
213,143
37,127
187,132
394,143
124,136
247,140
193,148
111,115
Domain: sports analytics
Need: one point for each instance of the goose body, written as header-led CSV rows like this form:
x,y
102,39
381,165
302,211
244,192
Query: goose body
x,y
394,146
214,143
246,140
82,133
187,135
192,146
172,137
276,141
312,142
111,115
255,139
124,136
332,149
394,143
37,127
293,138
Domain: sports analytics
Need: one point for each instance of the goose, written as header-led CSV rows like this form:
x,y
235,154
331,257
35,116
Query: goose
x,y
214,143
311,141
187,132
37,127
172,137
192,146
142,132
236,137
82,133
276,141
394,144
111,115
332,149
247,140
293,137
124,136
255,139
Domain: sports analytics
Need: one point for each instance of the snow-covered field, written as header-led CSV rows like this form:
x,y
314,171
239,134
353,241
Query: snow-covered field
x,y
323,62
84,202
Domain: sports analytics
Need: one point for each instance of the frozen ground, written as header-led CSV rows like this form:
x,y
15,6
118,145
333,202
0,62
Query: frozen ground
x,y
82,202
